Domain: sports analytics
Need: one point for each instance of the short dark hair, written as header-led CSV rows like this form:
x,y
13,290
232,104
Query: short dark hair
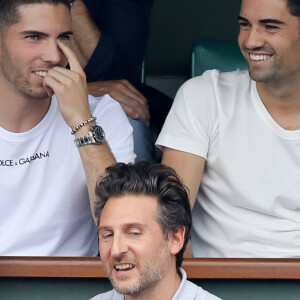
x,y
9,14
154,180
294,7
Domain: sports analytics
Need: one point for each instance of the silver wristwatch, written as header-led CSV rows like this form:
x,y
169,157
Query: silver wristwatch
x,y
94,136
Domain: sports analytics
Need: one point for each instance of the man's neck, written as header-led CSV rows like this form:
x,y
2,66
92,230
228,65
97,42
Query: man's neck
x,y
20,113
160,292
282,100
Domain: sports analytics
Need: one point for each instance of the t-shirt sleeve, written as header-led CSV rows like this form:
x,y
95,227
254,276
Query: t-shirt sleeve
x,y
118,131
192,119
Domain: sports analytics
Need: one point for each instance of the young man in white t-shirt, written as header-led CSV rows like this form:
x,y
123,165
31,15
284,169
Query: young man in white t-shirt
x,y
234,138
46,172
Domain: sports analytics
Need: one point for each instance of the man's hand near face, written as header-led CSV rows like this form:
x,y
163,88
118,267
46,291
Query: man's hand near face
x,y
70,89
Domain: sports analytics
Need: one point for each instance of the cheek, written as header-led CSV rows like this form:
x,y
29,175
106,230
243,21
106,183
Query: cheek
x,y
22,58
104,250
241,38
24,50
293,51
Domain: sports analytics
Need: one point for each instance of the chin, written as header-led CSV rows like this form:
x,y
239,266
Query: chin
x,y
258,76
40,94
126,287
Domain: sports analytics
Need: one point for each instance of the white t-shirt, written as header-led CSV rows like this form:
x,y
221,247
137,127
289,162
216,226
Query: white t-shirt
x,y
44,204
248,203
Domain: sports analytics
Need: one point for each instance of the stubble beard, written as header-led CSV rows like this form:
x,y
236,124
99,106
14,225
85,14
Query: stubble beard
x,y
15,77
262,75
150,275
258,74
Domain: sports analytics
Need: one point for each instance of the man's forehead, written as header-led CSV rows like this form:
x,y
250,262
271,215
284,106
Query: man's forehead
x,y
130,209
278,6
43,10
44,15
284,2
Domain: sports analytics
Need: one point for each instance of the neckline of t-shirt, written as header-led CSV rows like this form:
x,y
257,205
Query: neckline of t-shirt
x,y
35,131
267,118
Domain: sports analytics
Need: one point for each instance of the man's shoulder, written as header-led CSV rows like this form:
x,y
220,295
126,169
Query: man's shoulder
x,y
110,295
188,290
215,77
198,293
107,109
104,101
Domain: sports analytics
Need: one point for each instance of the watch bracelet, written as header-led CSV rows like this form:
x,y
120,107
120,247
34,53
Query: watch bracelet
x,y
83,141
89,138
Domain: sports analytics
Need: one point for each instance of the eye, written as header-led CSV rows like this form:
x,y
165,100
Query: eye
x,y
64,37
243,24
33,37
271,27
134,233
106,236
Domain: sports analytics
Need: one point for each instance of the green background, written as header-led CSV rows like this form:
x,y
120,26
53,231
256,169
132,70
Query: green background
x,y
83,289
177,25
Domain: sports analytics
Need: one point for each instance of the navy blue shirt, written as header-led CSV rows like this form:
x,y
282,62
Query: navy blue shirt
x,y
124,26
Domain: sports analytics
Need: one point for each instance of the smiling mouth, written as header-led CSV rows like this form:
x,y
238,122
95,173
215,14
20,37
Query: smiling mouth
x,y
41,73
260,57
124,267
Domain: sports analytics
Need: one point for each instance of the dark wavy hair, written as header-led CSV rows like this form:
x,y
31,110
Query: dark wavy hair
x,y
294,7
159,181
9,14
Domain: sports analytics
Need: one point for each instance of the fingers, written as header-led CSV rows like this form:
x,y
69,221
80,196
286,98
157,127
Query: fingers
x,y
61,73
136,94
65,76
134,114
59,77
132,101
48,89
135,110
71,57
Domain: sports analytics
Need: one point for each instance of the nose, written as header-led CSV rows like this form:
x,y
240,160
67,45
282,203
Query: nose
x,y
254,38
51,53
119,245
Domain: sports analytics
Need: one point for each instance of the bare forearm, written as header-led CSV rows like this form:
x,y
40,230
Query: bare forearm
x,y
95,159
86,33
70,89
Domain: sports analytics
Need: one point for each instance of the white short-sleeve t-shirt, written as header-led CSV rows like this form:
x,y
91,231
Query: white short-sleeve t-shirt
x,y
44,203
248,204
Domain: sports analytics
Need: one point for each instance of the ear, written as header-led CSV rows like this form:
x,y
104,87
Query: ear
x,y
177,239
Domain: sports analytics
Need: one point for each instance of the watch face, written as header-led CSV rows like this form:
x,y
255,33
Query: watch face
x,y
98,134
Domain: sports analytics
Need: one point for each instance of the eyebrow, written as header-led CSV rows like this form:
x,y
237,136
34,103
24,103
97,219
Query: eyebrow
x,y
128,225
40,33
263,21
66,33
